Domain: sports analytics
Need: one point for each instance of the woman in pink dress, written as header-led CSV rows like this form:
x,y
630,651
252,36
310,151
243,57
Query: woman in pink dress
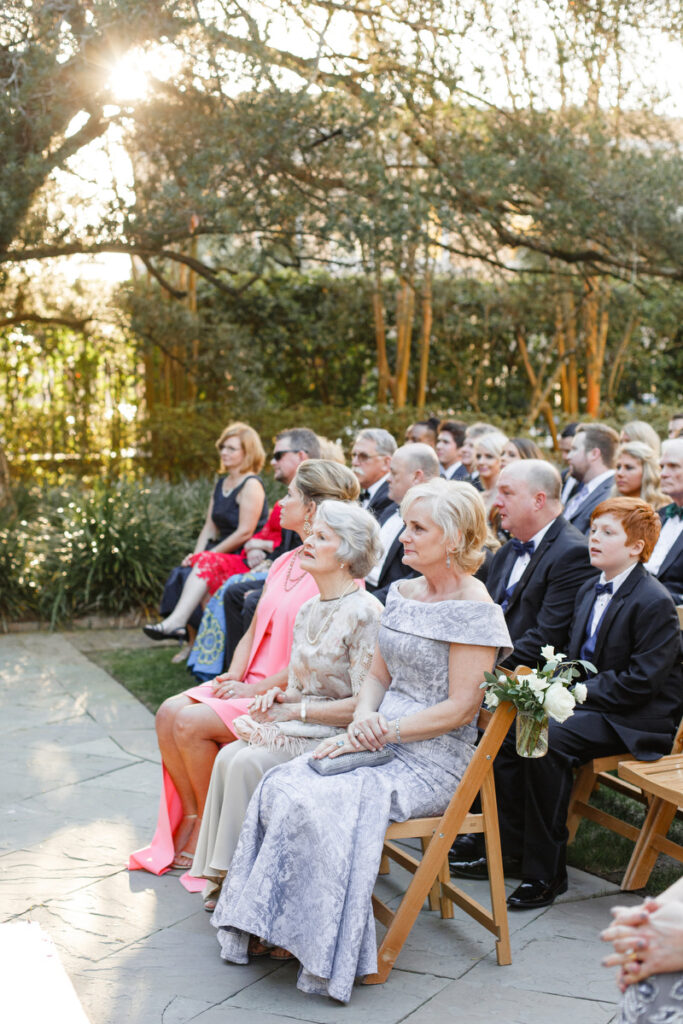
x,y
194,725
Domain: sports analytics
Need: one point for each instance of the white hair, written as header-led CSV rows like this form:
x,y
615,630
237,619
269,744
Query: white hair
x,y
358,532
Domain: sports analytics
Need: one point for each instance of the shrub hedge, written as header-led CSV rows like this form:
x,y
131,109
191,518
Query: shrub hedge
x,y
71,551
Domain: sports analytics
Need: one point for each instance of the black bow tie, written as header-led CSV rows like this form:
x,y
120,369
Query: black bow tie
x,y
603,588
673,511
523,547
364,495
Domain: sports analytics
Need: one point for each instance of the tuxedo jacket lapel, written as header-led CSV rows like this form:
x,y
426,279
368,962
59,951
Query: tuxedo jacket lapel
x,y
595,497
510,558
581,623
674,552
547,540
615,604
390,556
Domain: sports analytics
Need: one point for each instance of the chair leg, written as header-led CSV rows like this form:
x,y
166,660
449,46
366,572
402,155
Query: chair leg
x,y
494,858
584,784
445,901
644,856
435,891
384,865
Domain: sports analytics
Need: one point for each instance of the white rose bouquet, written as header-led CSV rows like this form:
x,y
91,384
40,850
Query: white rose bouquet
x,y
548,691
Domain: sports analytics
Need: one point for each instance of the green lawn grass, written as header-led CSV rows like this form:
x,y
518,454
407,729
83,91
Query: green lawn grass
x,y
151,677
603,852
148,674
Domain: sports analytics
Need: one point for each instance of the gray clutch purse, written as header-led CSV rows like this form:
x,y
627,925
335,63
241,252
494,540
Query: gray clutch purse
x,y
347,762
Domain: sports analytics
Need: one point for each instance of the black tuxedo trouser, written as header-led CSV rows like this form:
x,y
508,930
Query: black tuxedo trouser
x,y
533,793
239,600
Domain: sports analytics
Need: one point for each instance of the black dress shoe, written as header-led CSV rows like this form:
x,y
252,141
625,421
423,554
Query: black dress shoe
x,y
157,632
537,892
479,868
470,846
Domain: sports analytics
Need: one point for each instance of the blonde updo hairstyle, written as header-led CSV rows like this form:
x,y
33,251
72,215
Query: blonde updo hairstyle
x,y
319,479
358,531
458,510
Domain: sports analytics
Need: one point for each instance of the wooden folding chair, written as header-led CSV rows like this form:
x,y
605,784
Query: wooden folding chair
x,y
663,780
431,874
596,773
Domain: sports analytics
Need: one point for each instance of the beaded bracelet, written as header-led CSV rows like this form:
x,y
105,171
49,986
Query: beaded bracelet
x,y
303,709
397,727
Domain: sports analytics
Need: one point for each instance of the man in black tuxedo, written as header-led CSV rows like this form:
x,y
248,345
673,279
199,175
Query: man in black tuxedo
x,y
449,442
626,625
410,465
591,461
370,458
666,561
535,576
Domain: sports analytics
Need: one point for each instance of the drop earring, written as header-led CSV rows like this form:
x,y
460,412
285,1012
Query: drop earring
x,y
448,559
307,525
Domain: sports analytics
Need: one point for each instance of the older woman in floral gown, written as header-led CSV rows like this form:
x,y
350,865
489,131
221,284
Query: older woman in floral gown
x,y
307,859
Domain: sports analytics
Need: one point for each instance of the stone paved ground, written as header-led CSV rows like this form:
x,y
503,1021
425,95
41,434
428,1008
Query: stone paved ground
x,y
80,772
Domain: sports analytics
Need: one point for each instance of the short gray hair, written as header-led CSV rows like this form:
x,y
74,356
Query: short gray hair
x,y
538,475
384,442
302,440
458,510
418,455
360,548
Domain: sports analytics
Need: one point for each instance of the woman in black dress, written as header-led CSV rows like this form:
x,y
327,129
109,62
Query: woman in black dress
x,y
237,509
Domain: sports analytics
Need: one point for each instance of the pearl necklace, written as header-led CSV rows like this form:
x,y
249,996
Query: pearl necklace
x,y
290,586
313,640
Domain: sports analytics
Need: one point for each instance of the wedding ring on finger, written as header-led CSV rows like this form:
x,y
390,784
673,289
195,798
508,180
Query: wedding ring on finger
x,y
340,742
631,954
356,733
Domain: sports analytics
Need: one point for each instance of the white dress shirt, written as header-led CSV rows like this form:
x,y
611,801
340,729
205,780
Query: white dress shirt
x,y
448,473
602,600
670,532
522,561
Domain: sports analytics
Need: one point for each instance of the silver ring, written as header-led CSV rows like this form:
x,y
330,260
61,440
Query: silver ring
x,y
356,732
340,742
231,693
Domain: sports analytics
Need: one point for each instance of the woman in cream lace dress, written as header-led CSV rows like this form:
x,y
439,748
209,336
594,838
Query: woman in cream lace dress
x,y
334,640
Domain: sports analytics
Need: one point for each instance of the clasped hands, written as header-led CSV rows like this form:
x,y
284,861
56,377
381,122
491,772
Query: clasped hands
x,y
265,707
370,731
647,940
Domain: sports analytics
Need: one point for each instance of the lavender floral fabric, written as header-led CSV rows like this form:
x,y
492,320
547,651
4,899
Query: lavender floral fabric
x,y
307,860
656,1000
